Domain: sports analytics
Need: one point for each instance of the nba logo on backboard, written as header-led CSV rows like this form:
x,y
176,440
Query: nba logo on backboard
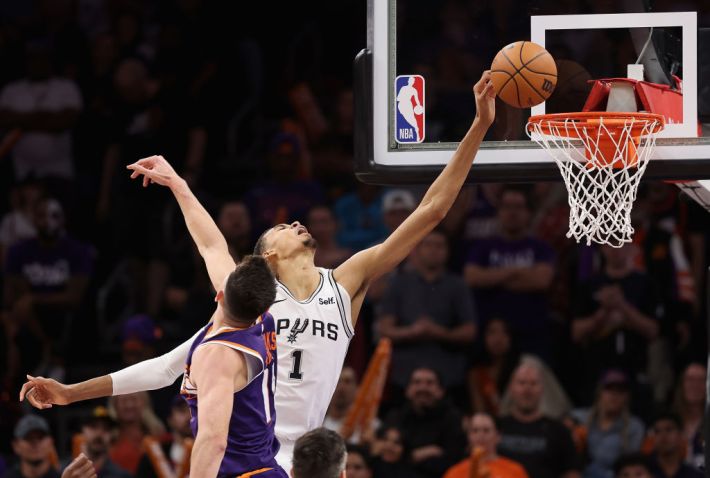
x,y
409,109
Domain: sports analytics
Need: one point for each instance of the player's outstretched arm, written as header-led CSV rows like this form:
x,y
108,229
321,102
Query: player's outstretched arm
x,y
150,374
214,371
207,236
371,263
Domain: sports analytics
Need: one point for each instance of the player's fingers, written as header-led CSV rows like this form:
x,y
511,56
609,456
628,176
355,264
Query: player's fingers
x,y
146,181
489,90
26,388
480,84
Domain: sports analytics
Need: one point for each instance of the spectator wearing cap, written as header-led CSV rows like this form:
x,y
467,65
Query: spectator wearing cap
x,y
609,428
96,434
428,314
282,196
34,448
667,460
397,205
634,465
46,278
139,334
511,274
173,451
359,215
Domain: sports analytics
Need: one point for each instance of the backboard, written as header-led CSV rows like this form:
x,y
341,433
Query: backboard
x,y
448,44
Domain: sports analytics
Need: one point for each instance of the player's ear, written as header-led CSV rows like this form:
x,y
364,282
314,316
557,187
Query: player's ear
x,y
219,296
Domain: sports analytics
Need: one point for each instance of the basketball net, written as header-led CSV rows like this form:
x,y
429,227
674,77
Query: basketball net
x,y
602,157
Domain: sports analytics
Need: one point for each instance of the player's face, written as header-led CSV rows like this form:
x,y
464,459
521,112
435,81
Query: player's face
x,y
634,471
97,437
34,447
287,240
482,433
526,390
391,447
694,383
356,467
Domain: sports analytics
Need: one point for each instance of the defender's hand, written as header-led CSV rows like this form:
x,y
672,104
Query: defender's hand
x,y
154,169
485,99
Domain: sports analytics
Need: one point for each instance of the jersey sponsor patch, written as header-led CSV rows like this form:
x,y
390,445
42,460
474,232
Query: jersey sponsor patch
x,y
409,109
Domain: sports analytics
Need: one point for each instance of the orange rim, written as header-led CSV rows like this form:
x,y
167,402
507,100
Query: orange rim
x,y
612,120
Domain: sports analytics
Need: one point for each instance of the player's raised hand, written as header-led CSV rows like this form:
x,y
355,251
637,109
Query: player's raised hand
x,y
81,467
154,169
43,392
485,95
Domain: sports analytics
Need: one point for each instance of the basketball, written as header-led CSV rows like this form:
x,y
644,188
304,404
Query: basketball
x,y
524,74
418,110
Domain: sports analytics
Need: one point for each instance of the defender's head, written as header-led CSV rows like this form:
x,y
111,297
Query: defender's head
x,y
284,241
248,291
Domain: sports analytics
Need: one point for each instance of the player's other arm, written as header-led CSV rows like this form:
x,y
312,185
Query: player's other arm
x,y
371,263
207,236
150,374
214,370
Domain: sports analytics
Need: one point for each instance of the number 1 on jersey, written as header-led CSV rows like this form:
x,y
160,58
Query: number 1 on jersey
x,y
296,373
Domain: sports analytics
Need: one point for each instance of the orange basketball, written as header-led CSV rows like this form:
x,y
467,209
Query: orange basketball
x,y
524,74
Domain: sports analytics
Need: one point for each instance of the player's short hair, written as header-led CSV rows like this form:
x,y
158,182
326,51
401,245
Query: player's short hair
x,y
632,459
250,289
320,453
260,246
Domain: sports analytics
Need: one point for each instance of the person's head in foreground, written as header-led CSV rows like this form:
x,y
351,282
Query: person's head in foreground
x,y
284,242
483,434
320,453
390,443
97,430
358,462
632,466
424,389
526,390
247,292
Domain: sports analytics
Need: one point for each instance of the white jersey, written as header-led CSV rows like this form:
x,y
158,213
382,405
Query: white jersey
x,y
312,338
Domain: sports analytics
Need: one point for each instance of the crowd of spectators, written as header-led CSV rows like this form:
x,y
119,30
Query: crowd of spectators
x,y
555,359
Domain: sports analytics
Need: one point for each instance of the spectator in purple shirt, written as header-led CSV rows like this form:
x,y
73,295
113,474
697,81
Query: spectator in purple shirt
x,y
45,281
511,273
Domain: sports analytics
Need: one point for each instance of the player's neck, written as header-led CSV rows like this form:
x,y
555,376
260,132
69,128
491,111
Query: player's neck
x,y
299,275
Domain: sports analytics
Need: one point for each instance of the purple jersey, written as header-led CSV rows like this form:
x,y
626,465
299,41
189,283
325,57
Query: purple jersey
x,y
251,444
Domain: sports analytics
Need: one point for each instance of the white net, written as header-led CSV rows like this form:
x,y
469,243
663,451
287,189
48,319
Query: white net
x,y
602,167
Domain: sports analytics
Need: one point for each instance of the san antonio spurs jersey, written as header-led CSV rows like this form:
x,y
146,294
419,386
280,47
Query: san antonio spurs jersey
x,y
312,339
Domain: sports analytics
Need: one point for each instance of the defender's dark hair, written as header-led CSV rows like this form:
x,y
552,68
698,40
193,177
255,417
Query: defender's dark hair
x,y
633,459
250,289
320,453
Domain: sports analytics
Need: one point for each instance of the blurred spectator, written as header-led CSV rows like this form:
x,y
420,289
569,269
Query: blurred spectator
x,y
689,405
511,274
322,226
428,313
473,216
34,448
489,376
45,282
17,224
397,205
136,420
610,429
45,108
614,320
282,197
635,465
175,451
358,463
430,423
235,224
389,454
139,334
96,434
541,444
669,449
343,398
319,453
359,215
483,438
